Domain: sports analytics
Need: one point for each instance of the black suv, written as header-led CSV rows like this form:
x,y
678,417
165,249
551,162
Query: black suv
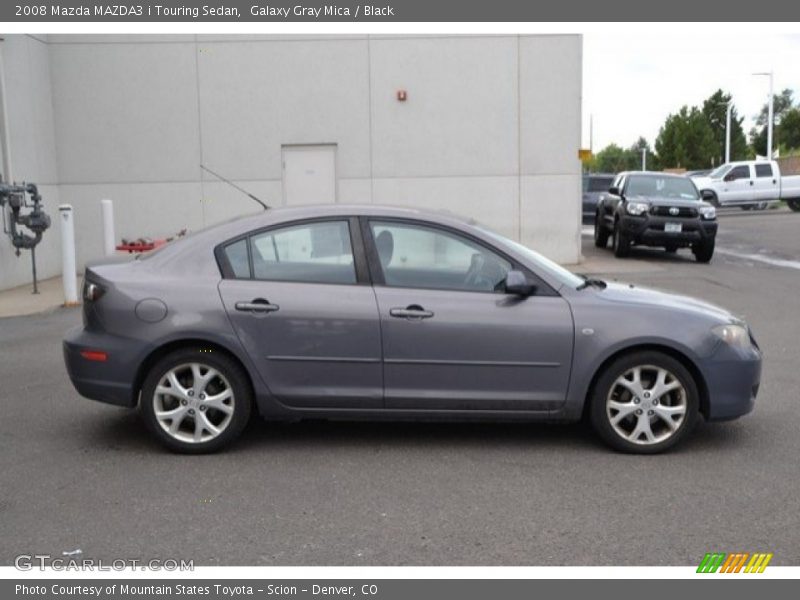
x,y
655,209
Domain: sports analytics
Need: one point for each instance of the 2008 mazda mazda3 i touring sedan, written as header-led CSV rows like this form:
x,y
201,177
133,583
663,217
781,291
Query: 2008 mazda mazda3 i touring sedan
x,y
342,312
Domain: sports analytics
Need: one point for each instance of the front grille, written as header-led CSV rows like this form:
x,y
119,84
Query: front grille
x,y
683,211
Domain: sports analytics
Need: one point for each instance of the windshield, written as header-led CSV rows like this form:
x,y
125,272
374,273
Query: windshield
x,y
719,172
657,186
539,262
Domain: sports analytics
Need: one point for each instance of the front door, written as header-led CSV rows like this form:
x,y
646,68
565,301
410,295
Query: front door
x,y
309,174
737,186
451,340
304,317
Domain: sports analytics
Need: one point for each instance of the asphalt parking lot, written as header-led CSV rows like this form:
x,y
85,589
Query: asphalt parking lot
x,y
75,474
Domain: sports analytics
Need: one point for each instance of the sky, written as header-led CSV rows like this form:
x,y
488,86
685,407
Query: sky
x,y
631,81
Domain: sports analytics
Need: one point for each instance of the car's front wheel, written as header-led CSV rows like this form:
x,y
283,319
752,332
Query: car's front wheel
x,y
621,242
703,251
196,400
644,403
794,205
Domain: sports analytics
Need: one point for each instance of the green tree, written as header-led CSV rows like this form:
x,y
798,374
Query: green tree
x,y
715,109
686,140
782,105
790,129
614,158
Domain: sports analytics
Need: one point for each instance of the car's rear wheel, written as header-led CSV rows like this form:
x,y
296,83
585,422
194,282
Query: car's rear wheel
x,y
703,251
621,242
600,232
196,400
644,403
794,205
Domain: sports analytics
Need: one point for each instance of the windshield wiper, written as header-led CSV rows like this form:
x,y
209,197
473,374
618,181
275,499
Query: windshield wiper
x,y
591,281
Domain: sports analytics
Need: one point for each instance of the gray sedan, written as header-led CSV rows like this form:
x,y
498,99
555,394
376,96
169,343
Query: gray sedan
x,y
343,312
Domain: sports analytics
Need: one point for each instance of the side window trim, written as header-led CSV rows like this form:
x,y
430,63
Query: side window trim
x,y
376,271
357,247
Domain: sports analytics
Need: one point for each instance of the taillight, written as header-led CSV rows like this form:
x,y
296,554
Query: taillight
x,y
95,355
92,291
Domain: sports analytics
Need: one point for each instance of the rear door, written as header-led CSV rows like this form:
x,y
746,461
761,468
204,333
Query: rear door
x,y
766,183
451,339
300,302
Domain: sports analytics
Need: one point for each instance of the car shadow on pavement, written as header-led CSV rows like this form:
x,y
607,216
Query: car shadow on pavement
x,y
124,431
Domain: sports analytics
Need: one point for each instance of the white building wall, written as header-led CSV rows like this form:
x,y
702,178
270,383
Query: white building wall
x,y
490,129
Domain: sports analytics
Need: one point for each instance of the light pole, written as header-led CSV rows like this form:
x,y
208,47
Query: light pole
x,y
644,159
728,132
769,113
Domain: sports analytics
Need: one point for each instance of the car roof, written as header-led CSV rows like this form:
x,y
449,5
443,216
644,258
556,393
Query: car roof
x,y
654,174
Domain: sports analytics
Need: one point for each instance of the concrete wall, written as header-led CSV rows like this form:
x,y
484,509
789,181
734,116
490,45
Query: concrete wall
x,y
31,136
491,128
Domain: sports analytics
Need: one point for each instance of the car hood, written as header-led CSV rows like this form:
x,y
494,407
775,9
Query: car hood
x,y
702,182
635,295
659,201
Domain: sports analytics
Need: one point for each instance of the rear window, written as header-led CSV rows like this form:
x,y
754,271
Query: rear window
x,y
764,170
599,184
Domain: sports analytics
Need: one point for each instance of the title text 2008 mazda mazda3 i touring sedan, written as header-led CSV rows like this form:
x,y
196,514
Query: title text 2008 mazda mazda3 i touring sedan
x,y
344,312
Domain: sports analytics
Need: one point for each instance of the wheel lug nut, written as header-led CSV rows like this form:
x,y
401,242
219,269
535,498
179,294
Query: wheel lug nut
x,y
636,401
191,392
184,402
191,412
202,408
651,412
202,396
638,412
655,401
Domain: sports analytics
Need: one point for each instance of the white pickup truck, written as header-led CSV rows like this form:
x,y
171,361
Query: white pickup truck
x,y
749,184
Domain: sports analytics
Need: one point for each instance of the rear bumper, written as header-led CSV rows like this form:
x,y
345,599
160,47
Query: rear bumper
x,y
648,230
733,378
111,381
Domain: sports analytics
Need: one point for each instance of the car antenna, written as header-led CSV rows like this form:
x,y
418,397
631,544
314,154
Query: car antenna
x,y
233,185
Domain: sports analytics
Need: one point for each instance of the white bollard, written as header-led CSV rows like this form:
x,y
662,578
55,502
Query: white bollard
x,y
109,245
68,275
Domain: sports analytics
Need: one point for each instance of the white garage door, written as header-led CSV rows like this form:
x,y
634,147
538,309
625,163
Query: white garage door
x,y
309,174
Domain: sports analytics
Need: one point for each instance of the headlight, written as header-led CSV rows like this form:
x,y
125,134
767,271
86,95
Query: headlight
x,y
708,212
733,335
637,208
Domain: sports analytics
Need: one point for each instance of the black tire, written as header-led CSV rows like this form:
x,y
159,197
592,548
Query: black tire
x,y
600,416
703,251
232,376
714,200
600,232
671,249
794,205
620,242
747,207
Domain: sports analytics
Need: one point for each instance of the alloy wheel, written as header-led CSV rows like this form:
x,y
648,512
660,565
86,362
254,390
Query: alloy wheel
x,y
193,402
646,405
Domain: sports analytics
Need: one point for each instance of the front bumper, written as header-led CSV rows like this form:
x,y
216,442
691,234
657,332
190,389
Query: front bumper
x,y
111,381
733,377
648,230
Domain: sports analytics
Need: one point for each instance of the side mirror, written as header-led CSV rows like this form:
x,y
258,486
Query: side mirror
x,y
614,190
708,195
517,283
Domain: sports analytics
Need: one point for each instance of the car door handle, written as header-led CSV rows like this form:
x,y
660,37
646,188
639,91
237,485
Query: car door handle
x,y
257,305
411,312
